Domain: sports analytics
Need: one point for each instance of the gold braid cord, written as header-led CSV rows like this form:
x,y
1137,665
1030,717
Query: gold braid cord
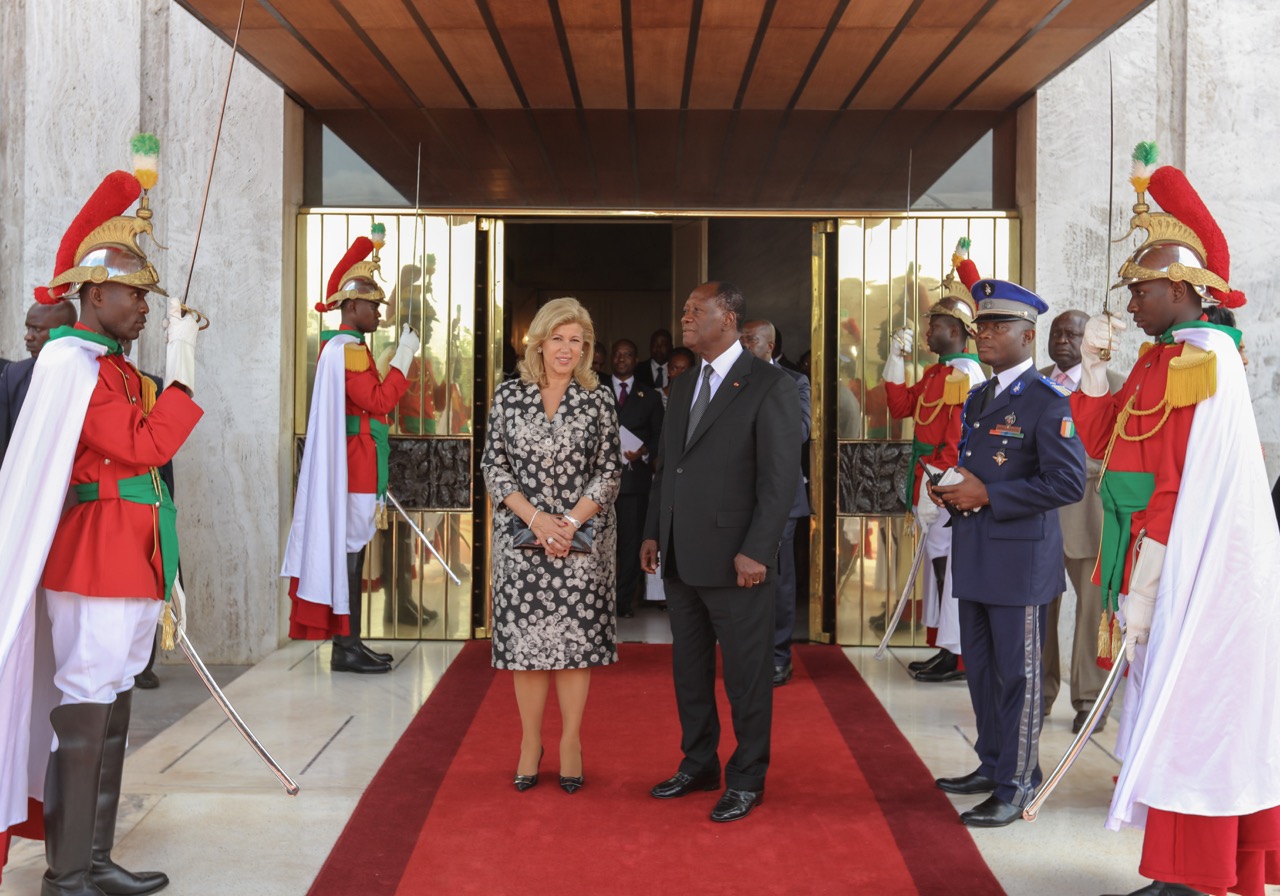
x,y
922,406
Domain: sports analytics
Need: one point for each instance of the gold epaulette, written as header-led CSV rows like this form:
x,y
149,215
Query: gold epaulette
x,y
148,393
956,388
356,357
1193,377
1145,347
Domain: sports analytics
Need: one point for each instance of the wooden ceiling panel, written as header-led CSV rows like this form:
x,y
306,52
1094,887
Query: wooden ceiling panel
x,y
422,71
788,47
659,45
843,63
1035,61
791,155
610,136
594,31
298,70
913,52
705,132
746,154
521,143
963,67
570,153
725,35
658,145
1023,14
529,36
950,14
461,32
1099,15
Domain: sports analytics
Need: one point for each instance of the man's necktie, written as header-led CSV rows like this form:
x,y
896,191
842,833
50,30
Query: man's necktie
x,y
622,394
700,403
1063,380
657,379
987,394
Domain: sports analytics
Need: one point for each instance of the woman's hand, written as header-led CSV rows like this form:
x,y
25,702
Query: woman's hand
x,y
554,533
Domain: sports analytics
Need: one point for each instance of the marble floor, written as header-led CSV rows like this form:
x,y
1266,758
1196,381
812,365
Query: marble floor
x,y
200,805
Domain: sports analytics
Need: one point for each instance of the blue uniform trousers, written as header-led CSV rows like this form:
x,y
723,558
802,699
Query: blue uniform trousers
x,y
1002,646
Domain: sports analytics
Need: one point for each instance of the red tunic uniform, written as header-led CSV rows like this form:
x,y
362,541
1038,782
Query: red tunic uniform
x,y
368,396
111,547
937,424
1207,853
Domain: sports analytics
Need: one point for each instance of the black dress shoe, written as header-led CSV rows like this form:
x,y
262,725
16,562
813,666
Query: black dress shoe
x,y
992,812
736,804
680,783
935,675
1158,888
781,675
1078,722
113,880
146,679
353,659
926,665
967,784
374,655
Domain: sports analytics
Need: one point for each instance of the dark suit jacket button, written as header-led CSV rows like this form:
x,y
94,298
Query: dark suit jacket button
x,y
679,469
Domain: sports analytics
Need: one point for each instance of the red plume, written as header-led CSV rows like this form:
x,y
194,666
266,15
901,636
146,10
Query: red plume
x,y
1171,189
359,251
114,195
969,275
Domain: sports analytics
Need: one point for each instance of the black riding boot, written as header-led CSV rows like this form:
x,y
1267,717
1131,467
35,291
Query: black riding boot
x,y
110,877
71,798
350,653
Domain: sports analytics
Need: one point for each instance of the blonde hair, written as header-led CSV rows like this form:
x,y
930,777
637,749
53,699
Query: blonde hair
x,y
557,313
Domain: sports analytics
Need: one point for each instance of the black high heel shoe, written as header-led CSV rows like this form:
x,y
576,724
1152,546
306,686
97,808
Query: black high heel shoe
x,y
570,785
524,782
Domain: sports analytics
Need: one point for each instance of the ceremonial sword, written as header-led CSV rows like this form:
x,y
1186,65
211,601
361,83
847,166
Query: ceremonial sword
x,y
1086,730
422,535
902,601
1105,353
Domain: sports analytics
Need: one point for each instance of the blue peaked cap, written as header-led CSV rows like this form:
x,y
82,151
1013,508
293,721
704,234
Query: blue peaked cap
x,y
1000,299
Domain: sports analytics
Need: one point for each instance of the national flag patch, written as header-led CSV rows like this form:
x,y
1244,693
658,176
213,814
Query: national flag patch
x,y
1068,428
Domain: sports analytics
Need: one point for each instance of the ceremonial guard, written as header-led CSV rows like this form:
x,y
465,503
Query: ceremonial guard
x,y
1191,550
342,483
94,428
934,403
1019,462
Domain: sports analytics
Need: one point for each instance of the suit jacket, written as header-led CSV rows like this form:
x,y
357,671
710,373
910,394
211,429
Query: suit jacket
x,y
1082,522
642,415
1024,448
644,373
800,506
14,381
730,491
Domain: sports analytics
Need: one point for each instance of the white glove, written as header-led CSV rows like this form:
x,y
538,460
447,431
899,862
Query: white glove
x,y
408,347
1099,334
901,342
895,368
180,346
1140,605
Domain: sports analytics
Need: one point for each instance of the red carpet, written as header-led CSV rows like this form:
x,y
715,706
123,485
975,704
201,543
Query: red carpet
x,y
849,807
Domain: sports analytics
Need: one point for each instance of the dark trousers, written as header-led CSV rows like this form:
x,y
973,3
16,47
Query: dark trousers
x,y
784,614
1002,648
355,592
629,510
741,620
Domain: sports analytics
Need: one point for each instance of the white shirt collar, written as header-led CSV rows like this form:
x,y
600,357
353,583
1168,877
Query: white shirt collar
x,y
1006,377
725,360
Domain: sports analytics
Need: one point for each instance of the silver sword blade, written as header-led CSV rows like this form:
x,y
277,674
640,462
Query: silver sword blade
x,y
892,626
225,705
1086,730
422,535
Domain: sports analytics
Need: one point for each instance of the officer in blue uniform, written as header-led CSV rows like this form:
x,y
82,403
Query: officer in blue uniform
x,y
1020,460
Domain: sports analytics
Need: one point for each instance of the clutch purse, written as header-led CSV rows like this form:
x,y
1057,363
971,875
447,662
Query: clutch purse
x,y
522,537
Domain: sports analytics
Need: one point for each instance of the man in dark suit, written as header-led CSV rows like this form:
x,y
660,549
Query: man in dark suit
x,y
758,338
1020,460
16,376
1081,534
640,414
726,477
653,372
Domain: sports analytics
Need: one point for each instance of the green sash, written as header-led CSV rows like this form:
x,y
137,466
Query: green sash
x,y
919,449
380,433
148,489
1123,495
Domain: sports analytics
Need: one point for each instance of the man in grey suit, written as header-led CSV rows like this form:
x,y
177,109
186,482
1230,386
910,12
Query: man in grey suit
x,y
758,338
1081,533
726,478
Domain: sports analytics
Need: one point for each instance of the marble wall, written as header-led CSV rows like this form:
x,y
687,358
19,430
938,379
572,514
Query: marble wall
x,y
81,77
1203,80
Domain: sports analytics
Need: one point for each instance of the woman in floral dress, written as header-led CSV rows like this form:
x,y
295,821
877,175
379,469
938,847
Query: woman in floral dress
x,y
552,464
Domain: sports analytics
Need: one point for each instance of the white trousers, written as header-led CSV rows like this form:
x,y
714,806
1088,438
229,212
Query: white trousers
x,y
362,511
941,611
100,643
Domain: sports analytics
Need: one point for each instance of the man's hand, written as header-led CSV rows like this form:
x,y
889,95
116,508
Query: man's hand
x,y
1099,334
968,494
408,347
750,573
631,456
180,347
649,555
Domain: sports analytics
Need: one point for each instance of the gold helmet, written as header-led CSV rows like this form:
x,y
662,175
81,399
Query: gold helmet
x,y
101,245
960,305
1184,242
353,277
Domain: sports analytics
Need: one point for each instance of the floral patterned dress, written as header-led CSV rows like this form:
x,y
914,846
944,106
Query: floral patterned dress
x,y
551,612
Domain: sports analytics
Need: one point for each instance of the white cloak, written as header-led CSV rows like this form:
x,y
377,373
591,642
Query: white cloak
x,y
1200,727
33,489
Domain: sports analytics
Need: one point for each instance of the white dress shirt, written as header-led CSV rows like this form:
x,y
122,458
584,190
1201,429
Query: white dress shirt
x,y
1072,377
720,366
1005,377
